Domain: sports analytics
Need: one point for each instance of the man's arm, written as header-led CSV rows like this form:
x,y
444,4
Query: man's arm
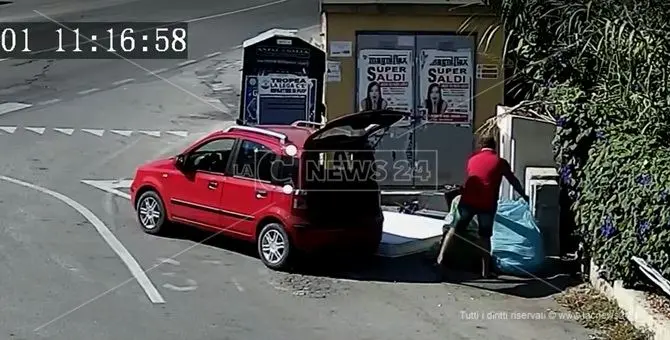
x,y
513,181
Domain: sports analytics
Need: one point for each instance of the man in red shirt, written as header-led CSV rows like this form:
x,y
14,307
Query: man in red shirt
x,y
479,197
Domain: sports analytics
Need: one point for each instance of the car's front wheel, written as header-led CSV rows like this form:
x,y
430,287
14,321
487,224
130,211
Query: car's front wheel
x,y
274,246
151,213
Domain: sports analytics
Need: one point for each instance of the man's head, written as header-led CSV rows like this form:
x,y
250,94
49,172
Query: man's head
x,y
487,142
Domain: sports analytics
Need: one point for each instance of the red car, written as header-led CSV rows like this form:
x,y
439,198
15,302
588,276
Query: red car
x,y
270,185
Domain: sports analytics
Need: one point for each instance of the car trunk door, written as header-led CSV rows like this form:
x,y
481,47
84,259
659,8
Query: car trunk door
x,y
346,191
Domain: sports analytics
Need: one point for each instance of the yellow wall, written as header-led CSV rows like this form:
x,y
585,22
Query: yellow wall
x,y
342,25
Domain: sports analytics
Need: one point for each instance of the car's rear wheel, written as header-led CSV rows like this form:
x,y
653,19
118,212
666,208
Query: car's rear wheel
x,y
151,213
274,246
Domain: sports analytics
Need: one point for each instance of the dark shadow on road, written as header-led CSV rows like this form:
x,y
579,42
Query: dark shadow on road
x,y
529,288
211,239
417,268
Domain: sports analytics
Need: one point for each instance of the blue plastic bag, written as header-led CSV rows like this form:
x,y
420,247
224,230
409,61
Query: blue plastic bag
x,y
517,244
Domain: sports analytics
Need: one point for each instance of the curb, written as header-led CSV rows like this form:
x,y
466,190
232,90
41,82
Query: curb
x,y
633,303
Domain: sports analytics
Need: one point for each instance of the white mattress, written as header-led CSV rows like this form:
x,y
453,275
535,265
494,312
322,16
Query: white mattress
x,y
403,228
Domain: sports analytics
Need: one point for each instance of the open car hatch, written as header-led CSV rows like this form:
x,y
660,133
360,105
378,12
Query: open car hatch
x,y
356,125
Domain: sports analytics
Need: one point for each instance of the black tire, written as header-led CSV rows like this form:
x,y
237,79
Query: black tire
x,y
159,223
275,258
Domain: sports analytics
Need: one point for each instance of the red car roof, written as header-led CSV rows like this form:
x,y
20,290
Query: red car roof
x,y
297,135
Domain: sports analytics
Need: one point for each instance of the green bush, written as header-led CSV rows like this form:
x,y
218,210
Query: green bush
x,y
623,205
602,70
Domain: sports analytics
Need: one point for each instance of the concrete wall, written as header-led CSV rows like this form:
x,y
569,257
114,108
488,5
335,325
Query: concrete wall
x,y
524,142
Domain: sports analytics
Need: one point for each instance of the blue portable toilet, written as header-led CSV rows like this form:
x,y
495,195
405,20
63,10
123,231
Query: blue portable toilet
x,y
282,79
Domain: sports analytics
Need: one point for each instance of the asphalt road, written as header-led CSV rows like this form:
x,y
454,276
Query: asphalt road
x,y
62,280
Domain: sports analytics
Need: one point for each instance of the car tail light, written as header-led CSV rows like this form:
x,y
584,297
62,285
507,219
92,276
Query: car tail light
x,y
299,203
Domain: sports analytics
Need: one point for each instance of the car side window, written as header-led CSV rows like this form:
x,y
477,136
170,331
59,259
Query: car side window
x,y
212,156
254,161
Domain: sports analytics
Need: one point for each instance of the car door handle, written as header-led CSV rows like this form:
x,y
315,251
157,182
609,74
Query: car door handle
x,y
261,194
213,185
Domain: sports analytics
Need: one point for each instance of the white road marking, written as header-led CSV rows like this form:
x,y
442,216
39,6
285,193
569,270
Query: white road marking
x,y
122,183
211,261
151,133
68,132
1,60
237,285
125,133
169,261
36,130
188,62
107,186
236,11
13,106
125,81
178,133
155,72
106,234
49,102
88,91
180,289
8,129
96,132
212,55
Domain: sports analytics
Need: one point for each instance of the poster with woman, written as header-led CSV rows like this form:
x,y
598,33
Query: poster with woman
x,y
385,80
446,86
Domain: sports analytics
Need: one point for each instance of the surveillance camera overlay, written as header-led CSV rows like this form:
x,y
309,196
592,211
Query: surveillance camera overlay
x,y
158,180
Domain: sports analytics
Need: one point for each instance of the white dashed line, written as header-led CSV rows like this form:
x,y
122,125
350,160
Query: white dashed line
x,y
178,133
68,132
212,55
188,62
96,132
114,243
10,107
88,91
49,102
125,133
160,70
125,81
36,130
151,133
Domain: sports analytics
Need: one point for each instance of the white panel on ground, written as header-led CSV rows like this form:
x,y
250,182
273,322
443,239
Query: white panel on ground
x,y
10,107
406,234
